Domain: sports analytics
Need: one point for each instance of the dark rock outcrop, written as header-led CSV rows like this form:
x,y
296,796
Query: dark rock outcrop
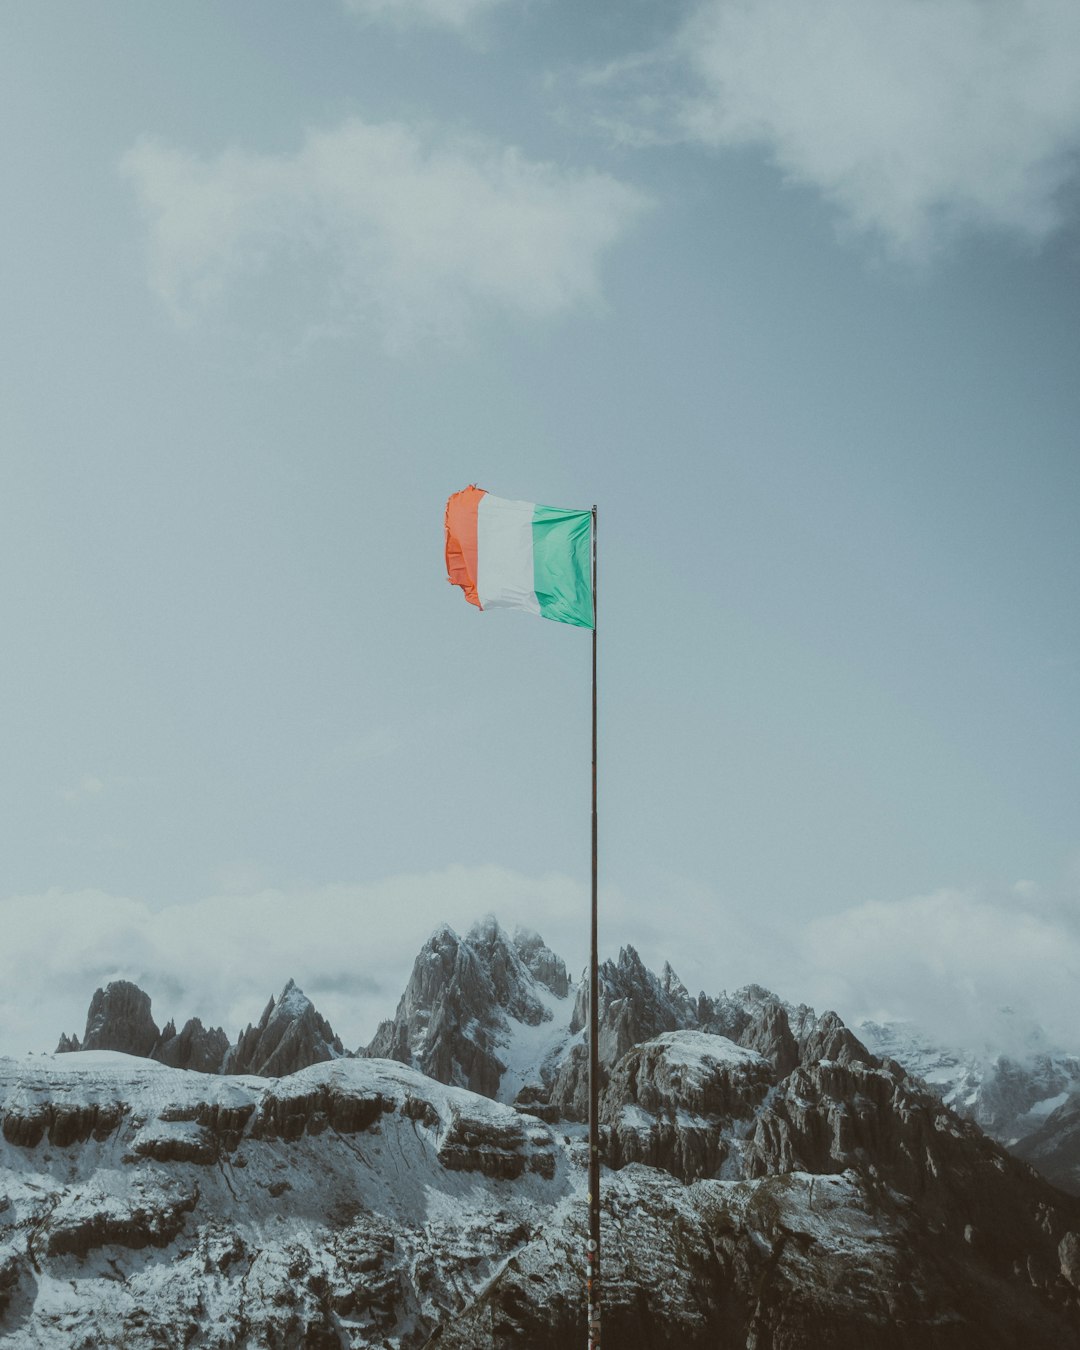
x,y
635,1005
289,1115
146,1219
681,1101
62,1123
789,1263
503,1148
119,1019
768,1031
290,1035
195,1047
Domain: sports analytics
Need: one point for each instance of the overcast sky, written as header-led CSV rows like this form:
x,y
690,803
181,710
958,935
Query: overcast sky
x,y
790,291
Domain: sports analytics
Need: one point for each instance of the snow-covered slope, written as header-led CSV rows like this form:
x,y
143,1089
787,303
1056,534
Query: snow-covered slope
x,y
359,1203
356,1194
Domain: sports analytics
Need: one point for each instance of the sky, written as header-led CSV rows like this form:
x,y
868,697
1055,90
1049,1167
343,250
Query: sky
x,y
789,292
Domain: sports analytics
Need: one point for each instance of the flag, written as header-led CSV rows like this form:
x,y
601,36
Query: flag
x,y
517,555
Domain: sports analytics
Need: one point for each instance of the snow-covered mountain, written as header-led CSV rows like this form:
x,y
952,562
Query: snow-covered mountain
x,y
769,1180
290,1035
490,1011
359,1203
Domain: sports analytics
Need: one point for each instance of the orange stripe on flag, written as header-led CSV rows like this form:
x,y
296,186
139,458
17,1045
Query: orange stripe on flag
x,y
461,551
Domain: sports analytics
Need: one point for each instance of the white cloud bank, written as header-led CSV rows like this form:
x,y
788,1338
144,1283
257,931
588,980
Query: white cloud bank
x,y
350,948
949,961
420,232
954,961
453,14
917,118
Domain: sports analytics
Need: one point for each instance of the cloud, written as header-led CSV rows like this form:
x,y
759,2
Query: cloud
x,y
951,961
970,966
918,119
419,233
221,957
454,14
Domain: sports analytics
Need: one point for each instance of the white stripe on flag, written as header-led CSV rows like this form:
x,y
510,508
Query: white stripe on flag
x,y
504,555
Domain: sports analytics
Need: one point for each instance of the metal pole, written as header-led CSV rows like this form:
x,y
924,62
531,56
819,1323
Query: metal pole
x,y
592,1253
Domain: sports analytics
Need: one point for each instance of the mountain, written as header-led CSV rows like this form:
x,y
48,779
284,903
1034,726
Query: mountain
x,y
494,1013
359,1203
769,1181
119,1018
195,1047
490,1012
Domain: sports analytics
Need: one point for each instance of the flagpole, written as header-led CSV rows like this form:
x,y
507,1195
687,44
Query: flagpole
x,y
593,1246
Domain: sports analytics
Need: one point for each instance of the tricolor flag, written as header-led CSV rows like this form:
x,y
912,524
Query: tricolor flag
x,y
517,555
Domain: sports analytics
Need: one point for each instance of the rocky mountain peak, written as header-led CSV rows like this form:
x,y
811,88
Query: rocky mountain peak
x,y
290,1035
541,962
513,985
635,1004
466,1001
119,1019
672,986
768,1031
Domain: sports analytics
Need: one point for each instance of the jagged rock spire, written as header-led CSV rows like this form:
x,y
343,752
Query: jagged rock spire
x,y
462,999
290,1035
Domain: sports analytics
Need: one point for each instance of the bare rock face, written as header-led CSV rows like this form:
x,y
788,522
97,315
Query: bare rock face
x,y
195,1047
768,1031
119,1019
540,961
291,1035
635,1005
152,1216
455,1015
61,1123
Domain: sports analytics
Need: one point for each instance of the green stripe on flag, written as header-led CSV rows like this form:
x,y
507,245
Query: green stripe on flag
x,y
562,564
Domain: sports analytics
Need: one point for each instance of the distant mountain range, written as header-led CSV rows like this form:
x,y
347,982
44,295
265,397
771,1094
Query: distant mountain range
x,y
773,1180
